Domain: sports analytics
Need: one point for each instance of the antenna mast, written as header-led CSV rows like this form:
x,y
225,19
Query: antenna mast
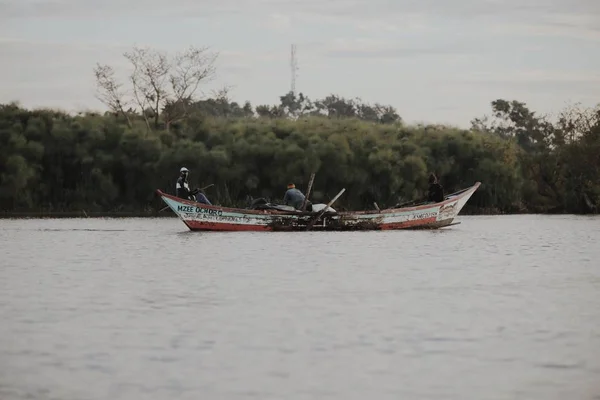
x,y
294,68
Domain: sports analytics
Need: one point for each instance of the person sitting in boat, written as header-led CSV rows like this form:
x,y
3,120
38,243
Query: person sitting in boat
x,y
183,189
294,197
436,191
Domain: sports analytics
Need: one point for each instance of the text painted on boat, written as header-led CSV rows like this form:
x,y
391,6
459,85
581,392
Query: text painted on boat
x,y
243,219
199,210
447,211
423,215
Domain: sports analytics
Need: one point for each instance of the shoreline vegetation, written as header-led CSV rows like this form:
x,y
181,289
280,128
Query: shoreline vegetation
x,y
167,213
156,213
109,164
466,211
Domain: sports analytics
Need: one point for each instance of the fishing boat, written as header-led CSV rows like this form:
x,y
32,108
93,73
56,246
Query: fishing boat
x,y
203,217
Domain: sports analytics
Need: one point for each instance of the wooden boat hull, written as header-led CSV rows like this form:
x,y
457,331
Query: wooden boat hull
x,y
202,217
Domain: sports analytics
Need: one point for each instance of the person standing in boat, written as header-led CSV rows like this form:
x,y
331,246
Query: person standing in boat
x,y
183,189
294,197
436,191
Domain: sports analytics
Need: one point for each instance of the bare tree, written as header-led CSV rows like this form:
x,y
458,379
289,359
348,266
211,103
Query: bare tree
x,y
149,77
140,99
189,69
164,86
109,90
576,120
223,94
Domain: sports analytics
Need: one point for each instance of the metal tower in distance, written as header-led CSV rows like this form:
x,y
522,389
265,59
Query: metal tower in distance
x,y
294,68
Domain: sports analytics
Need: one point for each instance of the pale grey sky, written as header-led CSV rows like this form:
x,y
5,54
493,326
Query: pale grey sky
x,y
438,61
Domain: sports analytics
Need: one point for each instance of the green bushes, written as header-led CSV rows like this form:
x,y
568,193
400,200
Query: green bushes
x,y
53,161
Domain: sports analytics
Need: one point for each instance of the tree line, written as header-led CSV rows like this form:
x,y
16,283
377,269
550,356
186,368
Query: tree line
x,y
113,161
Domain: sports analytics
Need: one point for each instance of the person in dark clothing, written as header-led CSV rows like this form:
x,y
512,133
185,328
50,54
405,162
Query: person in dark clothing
x,y
294,197
183,189
436,191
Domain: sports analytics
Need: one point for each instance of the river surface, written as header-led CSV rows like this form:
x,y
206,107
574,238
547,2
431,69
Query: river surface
x,y
501,307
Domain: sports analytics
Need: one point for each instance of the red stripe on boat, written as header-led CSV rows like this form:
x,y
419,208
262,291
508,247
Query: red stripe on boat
x,y
408,224
217,226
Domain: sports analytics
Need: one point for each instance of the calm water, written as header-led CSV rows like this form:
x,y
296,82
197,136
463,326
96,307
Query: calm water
x,y
494,308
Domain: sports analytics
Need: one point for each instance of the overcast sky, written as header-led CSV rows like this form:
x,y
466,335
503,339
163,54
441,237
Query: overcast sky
x,y
439,61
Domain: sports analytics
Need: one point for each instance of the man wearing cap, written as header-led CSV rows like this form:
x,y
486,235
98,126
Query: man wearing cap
x,y
293,197
183,189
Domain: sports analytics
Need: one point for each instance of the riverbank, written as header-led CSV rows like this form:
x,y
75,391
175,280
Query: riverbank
x,y
165,212
169,214
83,214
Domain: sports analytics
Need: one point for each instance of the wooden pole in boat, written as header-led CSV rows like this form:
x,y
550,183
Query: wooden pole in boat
x,y
312,222
408,203
205,187
310,183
